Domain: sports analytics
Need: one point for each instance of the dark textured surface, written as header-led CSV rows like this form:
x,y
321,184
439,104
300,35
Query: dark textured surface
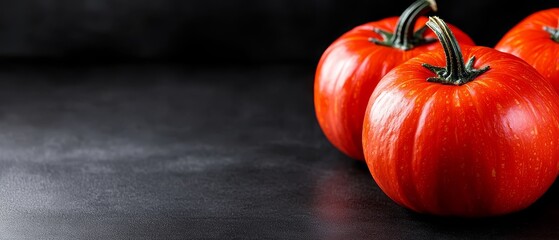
x,y
174,152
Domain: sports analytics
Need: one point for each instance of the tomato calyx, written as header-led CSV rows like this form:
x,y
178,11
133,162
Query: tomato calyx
x,y
554,33
404,38
455,72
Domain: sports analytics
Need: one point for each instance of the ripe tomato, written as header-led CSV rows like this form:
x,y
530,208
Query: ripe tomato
x,y
351,67
474,139
536,40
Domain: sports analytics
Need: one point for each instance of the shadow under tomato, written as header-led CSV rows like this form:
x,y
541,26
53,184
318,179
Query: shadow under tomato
x,y
348,204
540,220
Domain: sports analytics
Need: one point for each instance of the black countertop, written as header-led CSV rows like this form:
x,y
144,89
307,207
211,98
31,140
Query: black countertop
x,y
176,152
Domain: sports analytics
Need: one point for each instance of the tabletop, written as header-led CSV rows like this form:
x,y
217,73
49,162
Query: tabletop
x,y
163,151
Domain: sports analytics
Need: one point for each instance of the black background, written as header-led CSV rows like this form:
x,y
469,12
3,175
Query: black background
x,y
178,119
219,32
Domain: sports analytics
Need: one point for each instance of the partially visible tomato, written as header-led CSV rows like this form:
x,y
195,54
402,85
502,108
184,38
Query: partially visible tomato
x,y
536,40
351,67
475,138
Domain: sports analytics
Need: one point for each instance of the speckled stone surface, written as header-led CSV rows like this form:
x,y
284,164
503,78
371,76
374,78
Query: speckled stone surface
x,y
176,152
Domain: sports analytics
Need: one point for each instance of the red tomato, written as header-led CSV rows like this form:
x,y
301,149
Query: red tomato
x,y
351,67
536,40
474,139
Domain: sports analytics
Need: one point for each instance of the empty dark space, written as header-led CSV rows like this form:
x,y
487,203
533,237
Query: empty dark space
x,y
190,119
216,32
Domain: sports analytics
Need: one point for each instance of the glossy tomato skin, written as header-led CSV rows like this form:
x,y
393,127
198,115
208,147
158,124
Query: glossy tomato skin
x,y
488,147
347,74
530,41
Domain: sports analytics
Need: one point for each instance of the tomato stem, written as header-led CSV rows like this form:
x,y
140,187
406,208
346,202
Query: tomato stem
x,y
404,38
455,72
554,33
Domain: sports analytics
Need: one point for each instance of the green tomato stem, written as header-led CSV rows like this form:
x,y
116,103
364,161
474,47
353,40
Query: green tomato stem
x,y
404,38
554,33
455,72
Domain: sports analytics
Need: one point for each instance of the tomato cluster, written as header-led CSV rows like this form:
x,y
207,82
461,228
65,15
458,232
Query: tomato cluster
x,y
446,127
